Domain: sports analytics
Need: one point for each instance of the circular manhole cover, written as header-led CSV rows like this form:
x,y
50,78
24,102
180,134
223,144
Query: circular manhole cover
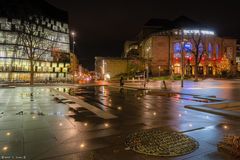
x,y
158,142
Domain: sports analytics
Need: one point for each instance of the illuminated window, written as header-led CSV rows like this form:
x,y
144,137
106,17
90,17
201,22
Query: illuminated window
x,y
217,51
229,51
188,47
6,26
177,48
3,20
200,48
210,50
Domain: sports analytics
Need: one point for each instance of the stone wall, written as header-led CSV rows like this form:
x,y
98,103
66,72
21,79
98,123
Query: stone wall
x,y
111,66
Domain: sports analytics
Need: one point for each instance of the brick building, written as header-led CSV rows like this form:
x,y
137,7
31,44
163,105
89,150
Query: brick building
x,y
162,43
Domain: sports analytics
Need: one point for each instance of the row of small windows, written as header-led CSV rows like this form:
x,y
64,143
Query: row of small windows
x,y
13,48
7,24
6,68
188,48
11,51
11,38
51,35
8,61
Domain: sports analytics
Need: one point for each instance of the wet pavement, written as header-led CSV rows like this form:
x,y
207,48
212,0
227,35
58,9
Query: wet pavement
x,y
226,89
46,129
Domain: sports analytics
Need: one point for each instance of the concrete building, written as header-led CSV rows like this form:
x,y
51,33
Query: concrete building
x,y
14,62
162,43
109,67
113,67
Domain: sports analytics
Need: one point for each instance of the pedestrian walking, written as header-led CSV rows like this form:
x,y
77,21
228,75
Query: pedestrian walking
x,y
121,82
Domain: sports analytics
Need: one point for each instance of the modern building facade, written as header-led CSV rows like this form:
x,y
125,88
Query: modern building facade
x,y
163,43
54,64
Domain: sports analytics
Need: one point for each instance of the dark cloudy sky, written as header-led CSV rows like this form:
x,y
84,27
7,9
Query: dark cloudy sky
x,y
102,26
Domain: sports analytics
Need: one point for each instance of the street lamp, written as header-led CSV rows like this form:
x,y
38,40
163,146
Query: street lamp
x,y
104,69
73,41
147,73
182,58
159,68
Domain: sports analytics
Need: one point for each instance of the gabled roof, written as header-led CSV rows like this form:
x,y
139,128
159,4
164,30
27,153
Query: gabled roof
x,y
20,8
179,22
159,23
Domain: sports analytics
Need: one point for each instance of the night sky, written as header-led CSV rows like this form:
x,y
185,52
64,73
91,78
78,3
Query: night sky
x,y
102,26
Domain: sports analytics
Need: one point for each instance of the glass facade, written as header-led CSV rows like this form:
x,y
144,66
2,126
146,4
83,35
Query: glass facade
x,y
14,63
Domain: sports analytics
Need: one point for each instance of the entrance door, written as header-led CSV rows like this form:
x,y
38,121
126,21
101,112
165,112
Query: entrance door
x,y
190,70
200,70
210,71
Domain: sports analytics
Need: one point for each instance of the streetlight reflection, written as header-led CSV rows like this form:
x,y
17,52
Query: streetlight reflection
x,y
82,145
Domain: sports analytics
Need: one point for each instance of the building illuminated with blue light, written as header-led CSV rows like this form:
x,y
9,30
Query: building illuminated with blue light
x,y
162,43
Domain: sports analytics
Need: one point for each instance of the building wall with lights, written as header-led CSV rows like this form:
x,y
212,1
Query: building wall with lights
x,y
110,67
164,54
238,55
14,63
162,49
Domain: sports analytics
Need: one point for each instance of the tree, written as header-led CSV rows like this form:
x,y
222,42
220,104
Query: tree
x,y
34,41
224,66
135,65
198,50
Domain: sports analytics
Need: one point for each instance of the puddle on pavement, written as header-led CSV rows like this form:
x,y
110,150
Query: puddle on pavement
x,y
101,97
188,97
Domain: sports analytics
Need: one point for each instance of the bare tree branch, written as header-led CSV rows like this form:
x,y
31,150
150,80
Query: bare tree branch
x,y
35,41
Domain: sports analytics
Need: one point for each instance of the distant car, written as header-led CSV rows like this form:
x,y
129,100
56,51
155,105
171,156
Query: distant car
x,y
139,75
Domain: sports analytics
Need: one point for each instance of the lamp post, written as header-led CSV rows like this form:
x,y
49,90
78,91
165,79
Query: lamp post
x,y
147,76
103,69
73,50
147,67
182,58
73,41
159,69
172,72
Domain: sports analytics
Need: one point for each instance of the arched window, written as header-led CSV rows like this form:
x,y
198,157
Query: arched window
x,y
217,51
210,50
177,50
200,48
177,47
188,47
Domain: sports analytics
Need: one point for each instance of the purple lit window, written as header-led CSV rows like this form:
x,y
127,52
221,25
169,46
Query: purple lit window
x,y
210,50
188,47
200,48
177,48
217,51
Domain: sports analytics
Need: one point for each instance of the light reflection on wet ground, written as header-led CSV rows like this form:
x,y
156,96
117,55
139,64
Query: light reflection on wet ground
x,y
63,133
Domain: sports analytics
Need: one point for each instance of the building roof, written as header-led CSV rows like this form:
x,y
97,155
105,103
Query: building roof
x,y
179,22
20,8
158,23
111,58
